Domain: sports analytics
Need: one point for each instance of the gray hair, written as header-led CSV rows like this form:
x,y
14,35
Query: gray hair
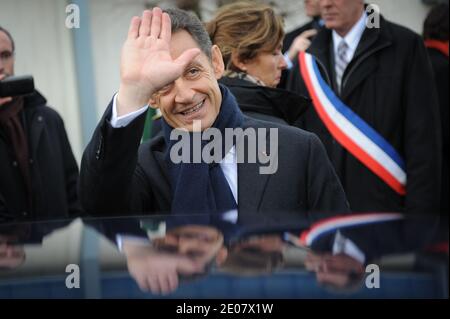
x,y
183,20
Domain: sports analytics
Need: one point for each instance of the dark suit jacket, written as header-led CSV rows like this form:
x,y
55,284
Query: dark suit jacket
x,y
53,169
120,176
440,63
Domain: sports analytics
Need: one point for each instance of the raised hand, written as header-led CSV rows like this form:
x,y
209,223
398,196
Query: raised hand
x,y
301,43
156,271
146,63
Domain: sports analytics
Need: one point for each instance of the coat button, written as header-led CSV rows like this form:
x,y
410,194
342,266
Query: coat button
x,y
24,214
39,118
31,161
15,164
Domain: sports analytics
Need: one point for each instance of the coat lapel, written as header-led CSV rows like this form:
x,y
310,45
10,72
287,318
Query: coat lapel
x,y
321,50
364,62
251,183
161,174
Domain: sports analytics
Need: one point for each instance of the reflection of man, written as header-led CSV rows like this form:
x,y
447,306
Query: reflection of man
x,y
201,243
255,255
37,168
383,77
266,253
184,251
168,59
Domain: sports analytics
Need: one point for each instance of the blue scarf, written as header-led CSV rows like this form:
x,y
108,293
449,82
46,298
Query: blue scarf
x,y
202,187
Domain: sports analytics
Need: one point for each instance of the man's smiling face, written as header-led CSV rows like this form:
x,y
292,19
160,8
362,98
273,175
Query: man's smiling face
x,y
196,94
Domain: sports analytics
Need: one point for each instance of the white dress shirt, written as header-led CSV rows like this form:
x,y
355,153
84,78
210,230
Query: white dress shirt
x,y
344,245
352,38
228,163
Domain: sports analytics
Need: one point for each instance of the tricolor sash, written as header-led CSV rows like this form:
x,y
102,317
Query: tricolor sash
x,y
331,225
351,131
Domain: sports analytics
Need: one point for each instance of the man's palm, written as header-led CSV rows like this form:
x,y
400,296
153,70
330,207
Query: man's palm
x,y
146,63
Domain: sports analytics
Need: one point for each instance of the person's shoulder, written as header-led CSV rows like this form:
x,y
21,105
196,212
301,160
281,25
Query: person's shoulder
x,y
155,144
38,109
36,102
400,32
49,116
438,59
48,111
299,30
232,82
285,132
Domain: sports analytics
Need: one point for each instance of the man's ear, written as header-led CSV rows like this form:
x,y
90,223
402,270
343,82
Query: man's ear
x,y
153,102
217,61
221,256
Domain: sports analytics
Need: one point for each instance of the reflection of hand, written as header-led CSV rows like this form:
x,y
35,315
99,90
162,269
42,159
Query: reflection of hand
x,y
146,63
339,270
158,272
265,243
4,100
313,261
11,256
301,43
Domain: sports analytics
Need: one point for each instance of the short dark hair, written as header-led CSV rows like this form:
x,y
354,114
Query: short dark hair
x,y
183,20
9,36
436,24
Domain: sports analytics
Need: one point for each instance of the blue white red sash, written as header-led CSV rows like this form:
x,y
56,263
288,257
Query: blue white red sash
x,y
351,131
331,225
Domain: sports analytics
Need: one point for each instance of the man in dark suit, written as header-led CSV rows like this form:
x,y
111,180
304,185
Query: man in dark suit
x,y
168,60
383,75
38,172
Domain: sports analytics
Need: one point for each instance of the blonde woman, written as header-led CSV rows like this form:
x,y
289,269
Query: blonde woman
x,y
250,37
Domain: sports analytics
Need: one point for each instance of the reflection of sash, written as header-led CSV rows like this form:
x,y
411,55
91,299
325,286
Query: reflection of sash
x,y
351,131
331,225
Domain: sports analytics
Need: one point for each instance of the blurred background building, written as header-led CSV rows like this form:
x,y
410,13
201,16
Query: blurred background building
x,y
77,69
